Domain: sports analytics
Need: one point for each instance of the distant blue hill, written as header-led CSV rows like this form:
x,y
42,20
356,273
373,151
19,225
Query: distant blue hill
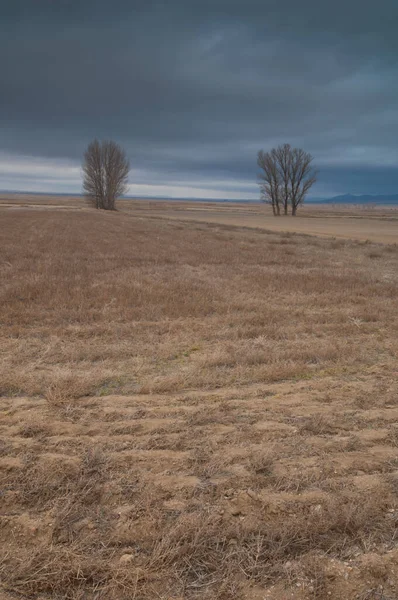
x,y
364,199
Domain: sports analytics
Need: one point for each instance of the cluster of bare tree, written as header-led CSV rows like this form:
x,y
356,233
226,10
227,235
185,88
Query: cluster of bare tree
x,y
105,170
286,176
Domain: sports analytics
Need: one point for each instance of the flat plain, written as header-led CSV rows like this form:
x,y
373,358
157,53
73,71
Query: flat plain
x,y
196,408
371,223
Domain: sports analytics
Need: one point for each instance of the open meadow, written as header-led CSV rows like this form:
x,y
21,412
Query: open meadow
x,y
197,410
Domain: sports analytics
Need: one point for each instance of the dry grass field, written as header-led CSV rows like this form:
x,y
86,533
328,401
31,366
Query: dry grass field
x,y
359,222
195,411
365,223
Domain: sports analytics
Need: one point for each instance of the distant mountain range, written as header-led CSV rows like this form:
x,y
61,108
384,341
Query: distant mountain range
x,y
351,199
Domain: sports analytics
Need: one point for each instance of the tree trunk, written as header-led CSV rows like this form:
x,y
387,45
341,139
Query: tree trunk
x,y
294,210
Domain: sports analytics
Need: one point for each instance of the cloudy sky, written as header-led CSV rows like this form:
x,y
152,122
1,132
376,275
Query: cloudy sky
x,y
194,88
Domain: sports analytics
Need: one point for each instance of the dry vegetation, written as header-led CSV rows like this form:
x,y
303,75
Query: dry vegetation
x,y
364,223
195,411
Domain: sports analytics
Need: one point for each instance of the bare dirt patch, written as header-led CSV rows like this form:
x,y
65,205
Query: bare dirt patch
x,y
194,411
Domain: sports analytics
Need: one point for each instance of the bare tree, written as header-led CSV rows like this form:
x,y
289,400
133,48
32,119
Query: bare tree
x,y
282,158
105,173
302,177
286,177
269,181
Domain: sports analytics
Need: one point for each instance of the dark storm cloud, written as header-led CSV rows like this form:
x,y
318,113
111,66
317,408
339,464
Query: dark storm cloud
x,y
194,89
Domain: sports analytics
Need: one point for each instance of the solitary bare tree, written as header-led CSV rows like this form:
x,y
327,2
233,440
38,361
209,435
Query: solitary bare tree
x,y
105,173
286,177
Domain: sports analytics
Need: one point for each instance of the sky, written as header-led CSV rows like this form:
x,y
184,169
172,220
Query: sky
x,y
192,89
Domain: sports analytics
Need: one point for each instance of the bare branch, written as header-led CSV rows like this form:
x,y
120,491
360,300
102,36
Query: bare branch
x,y
105,170
287,176
302,177
282,156
270,184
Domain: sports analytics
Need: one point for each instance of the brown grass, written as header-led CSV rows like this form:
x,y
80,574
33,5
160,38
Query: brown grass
x,y
338,222
190,411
